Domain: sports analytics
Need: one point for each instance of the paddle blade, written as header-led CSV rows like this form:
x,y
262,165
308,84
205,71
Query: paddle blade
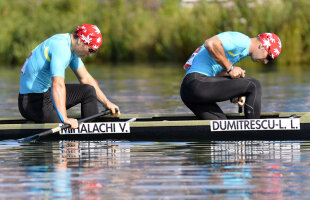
x,y
29,139
45,133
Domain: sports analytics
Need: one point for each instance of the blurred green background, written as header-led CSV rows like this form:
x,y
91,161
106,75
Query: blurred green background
x,y
152,30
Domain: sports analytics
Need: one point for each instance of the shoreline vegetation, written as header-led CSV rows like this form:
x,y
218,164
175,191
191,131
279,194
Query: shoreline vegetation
x,y
153,30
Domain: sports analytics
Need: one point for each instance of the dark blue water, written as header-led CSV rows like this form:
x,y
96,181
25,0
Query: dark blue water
x,y
159,170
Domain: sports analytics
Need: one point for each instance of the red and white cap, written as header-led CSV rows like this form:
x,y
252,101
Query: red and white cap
x,y
272,44
90,35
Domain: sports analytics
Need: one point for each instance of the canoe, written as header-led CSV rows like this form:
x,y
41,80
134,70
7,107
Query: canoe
x,y
271,126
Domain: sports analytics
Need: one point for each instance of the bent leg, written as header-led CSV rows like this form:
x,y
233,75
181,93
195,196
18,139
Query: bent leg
x,y
209,111
198,89
84,94
38,107
252,107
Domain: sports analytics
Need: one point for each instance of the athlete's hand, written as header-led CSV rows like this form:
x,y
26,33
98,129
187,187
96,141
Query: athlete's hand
x,y
237,72
114,108
241,101
72,122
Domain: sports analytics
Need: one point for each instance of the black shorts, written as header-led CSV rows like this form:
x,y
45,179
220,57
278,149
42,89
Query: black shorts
x,y
39,107
200,94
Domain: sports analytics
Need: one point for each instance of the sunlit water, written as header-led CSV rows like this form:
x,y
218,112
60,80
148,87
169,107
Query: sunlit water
x,y
159,170
155,170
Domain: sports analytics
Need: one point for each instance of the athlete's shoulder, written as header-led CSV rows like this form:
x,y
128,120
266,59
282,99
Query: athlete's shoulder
x,y
233,40
59,38
59,43
230,34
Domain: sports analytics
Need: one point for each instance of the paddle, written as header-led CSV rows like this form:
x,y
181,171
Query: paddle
x,y
240,110
59,128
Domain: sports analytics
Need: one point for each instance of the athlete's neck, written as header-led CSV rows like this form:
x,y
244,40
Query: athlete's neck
x,y
73,43
255,42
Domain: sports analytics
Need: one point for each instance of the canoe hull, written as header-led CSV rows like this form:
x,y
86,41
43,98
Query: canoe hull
x,y
164,128
171,133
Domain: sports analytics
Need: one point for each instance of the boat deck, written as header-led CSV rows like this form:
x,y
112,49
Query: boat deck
x,y
164,127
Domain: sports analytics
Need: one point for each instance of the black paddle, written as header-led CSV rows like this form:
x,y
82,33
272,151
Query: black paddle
x,y
59,128
240,109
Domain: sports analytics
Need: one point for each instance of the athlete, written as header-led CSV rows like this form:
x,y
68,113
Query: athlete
x,y
212,76
43,94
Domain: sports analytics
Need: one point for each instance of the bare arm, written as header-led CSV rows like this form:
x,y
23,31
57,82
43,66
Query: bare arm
x,y
59,98
216,50
85,78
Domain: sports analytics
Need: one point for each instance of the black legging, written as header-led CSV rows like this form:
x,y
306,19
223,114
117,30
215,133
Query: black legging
x,y
200,94
39,107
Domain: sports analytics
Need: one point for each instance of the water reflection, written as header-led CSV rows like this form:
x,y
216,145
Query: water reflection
x,y
256,150
155,170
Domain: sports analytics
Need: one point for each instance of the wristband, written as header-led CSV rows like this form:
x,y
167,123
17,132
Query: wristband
x,y
230,69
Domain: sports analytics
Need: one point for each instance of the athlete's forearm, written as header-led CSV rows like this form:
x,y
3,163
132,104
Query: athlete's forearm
x,y
59,98
85,78
100,95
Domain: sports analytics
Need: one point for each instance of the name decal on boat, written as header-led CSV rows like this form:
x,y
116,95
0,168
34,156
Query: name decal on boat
x,y
98,128
255,124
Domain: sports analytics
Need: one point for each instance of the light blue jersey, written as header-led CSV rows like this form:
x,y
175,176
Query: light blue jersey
x,y
49,59
236,46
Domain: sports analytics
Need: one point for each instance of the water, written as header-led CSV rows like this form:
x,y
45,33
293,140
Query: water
x,y
155,170
159,170
155,88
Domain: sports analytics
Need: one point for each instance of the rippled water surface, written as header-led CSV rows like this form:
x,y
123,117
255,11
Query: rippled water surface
x,y
155,88
153,169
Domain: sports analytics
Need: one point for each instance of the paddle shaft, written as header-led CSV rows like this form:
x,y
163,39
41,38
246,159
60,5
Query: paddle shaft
x,y
59,128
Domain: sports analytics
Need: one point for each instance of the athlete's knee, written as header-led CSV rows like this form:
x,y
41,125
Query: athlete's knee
x,y
255,85
89,90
